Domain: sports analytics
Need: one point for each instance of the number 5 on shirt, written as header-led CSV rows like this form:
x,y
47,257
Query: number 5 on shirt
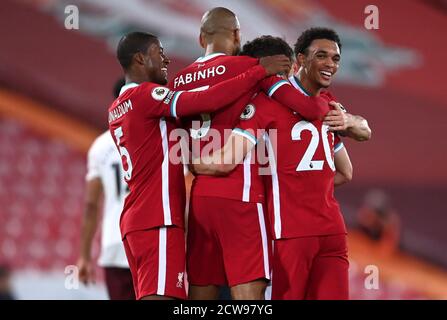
x,y
124,153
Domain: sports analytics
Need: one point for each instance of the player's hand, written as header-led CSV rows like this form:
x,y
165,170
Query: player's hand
x,y
278,64
337,119
86,271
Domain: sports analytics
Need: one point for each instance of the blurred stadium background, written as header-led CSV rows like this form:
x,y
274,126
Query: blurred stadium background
x,y
55,86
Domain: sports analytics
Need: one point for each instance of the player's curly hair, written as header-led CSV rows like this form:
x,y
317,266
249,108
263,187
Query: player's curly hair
x,y
267,46
309,35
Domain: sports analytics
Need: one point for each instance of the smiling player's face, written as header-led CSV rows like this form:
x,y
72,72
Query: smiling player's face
x,y
321,62
156,63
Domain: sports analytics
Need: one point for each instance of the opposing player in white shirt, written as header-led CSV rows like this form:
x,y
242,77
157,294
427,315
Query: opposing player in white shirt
x,y
105,180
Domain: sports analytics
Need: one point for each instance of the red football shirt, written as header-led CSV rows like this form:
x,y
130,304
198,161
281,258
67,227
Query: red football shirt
x,y
215,127
141,121
300,186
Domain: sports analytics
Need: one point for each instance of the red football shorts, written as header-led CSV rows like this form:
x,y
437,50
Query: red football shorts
x,y
157,261
311,268
227,242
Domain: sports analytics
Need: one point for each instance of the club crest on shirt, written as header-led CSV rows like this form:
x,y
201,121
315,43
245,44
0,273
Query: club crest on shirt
x,y
159,93
248,112
180,280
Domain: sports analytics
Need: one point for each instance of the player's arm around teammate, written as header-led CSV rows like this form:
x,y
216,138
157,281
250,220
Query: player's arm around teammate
x,y
222,94
223,161
346,124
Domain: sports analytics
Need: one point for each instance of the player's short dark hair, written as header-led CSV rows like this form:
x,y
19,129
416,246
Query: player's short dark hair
x,y
309,35
267,46
131,44
117,87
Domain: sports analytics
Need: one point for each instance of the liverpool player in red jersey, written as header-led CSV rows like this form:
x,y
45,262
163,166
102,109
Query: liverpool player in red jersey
x,y
310,255
317,53
227,239
141,120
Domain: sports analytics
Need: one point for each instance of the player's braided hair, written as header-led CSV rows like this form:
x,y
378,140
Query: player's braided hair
x,y
312,34
267,46
131,44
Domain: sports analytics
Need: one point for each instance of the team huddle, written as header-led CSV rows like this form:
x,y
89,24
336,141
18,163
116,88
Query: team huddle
x,y
264,143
